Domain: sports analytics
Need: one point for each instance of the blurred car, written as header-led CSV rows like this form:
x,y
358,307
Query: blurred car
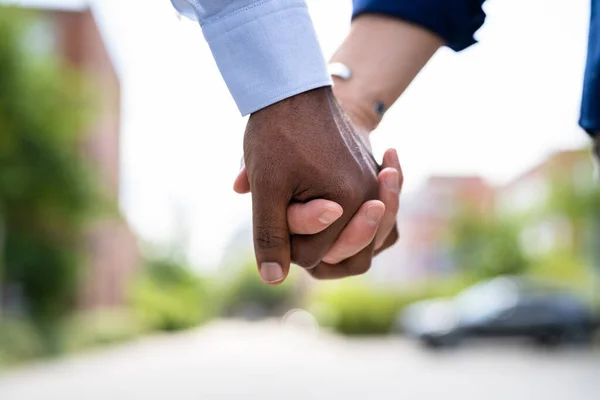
x,y
501,307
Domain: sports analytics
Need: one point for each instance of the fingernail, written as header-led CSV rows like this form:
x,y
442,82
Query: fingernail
x,y
373,215
271,272
391,182
329,216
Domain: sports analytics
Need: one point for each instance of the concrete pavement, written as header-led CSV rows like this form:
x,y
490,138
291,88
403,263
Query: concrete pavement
x,y
233,360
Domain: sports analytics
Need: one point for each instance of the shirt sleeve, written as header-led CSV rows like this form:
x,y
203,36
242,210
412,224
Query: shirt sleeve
x,y
590,100
455,21
266,50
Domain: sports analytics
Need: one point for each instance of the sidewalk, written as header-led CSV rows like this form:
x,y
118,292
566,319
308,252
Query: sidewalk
x,y
234,360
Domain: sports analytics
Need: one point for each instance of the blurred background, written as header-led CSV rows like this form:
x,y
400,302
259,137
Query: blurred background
x,y
126,263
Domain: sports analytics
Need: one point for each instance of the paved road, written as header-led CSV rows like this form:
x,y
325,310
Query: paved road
x,y
265,361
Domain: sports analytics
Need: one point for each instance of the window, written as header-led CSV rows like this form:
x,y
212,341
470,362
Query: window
x,y
41,37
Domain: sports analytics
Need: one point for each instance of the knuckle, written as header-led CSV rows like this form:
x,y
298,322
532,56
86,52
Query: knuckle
x,y
307,250
315,274
320,276
270,238
324,272
395,234
306,261
390,240
359,268
340,271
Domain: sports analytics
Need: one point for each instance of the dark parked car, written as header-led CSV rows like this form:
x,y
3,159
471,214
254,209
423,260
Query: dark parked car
x,y
501,307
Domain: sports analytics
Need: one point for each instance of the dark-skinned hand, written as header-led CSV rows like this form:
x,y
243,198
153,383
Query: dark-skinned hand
x,y
315,189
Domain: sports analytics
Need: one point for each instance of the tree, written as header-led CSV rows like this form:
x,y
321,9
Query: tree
x,y
486,245
168,296
244,294
574,194
46,190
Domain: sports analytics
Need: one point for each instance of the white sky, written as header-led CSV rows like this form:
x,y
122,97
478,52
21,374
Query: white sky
x,y
495,109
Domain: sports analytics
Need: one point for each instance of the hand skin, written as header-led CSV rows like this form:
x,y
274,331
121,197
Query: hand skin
x,y
313,152
307,218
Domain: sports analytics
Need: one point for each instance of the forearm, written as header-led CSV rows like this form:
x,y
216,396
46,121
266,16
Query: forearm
x,y
384,55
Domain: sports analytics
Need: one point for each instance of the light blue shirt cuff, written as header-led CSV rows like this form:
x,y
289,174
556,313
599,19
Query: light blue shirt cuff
x,y
266,51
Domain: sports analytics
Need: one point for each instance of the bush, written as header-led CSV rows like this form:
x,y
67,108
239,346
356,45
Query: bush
x,y
169,297
355,307
245,295
102,327
563,267
19,341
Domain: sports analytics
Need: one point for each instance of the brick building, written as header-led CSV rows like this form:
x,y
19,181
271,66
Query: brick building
x,y
73,37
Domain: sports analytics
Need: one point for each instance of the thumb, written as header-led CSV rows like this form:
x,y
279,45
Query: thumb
x,y
241,184
271,234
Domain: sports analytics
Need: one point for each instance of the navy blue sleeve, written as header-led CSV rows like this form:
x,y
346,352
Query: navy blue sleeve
x,y
455,21
590,101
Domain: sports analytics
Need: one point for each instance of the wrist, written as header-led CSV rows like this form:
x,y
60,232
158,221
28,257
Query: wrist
x,y
309,101
359,106
384,55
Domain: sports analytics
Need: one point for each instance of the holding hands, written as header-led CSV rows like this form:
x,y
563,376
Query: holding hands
x,y
319,198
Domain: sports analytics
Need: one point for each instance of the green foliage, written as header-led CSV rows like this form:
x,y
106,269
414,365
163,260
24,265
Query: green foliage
x,y
19,341
46,193
355,307
561,266
103,327
246,295
169,297
486,246
574,195
578,199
